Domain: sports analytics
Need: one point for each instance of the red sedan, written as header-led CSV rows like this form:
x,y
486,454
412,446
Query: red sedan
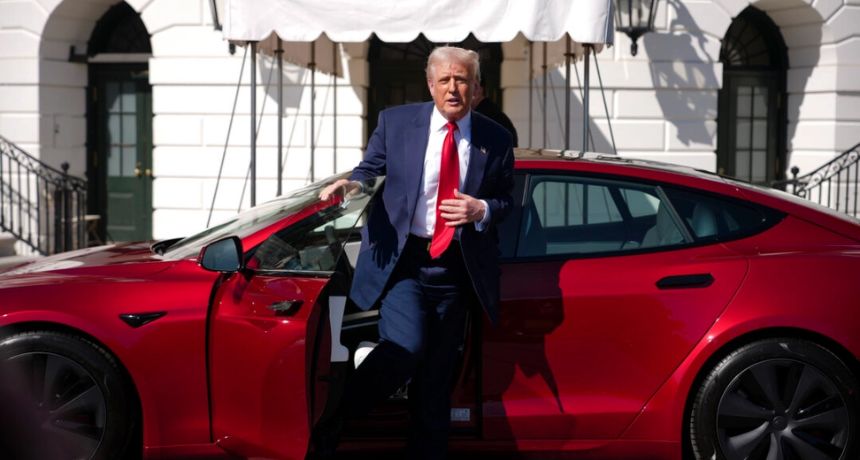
x,y
648,311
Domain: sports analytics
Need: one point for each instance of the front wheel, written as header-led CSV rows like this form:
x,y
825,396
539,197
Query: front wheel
x,y
62,397
777,399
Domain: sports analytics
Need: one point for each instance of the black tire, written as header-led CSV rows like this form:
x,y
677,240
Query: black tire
x,y
63,397
777,399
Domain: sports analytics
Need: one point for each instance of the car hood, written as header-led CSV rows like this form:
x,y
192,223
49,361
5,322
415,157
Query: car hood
x,y
132,259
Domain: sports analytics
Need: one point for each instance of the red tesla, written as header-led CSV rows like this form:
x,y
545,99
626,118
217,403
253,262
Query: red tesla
x,y
648,311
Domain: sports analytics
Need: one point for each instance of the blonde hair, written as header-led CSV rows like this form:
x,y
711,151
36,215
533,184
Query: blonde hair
x,y
442,54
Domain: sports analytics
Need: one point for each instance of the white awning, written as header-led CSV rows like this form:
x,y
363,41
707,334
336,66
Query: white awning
x,y
441,21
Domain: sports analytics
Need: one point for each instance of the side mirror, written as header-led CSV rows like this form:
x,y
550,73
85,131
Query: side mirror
x,y
224,255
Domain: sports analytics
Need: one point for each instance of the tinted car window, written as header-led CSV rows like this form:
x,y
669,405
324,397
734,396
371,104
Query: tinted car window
x,y
252,220
316,242
572,216
714,218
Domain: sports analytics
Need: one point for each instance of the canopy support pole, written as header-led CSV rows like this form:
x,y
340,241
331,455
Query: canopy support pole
x,y
567,57
279,54
531,91
543,68
253,124
312,66
605,106
586,78
334,107
227,140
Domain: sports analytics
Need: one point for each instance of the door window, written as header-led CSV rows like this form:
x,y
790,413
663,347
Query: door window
x,y
122,119
316,242
751,133
586,216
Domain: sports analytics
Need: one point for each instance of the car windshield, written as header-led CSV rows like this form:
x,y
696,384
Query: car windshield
x,y
250,221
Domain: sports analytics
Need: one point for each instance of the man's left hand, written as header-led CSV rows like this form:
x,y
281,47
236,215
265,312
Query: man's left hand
x,y
461,210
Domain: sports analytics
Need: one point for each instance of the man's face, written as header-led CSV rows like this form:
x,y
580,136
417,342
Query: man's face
x,y
452,86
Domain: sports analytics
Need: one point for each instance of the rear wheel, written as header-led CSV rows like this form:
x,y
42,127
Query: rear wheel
x,y
777,399
62,397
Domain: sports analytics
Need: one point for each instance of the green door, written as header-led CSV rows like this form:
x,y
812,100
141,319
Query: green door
x,y
123,100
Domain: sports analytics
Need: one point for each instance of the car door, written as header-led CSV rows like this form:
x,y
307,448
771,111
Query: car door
x,y
271,344
611,288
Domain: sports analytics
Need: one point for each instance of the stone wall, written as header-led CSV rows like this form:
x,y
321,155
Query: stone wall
x,y
662,103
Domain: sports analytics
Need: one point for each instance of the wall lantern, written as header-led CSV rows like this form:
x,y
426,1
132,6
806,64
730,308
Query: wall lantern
x,y
635,18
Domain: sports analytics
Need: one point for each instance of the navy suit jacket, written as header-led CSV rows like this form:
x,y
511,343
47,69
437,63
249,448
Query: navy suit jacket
x,y
396,149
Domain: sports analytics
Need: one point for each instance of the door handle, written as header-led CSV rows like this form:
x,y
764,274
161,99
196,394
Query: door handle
x,y
137,171
699,280
285,307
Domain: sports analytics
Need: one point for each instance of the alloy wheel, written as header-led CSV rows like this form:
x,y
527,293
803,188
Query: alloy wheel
x,y
59,400
783,409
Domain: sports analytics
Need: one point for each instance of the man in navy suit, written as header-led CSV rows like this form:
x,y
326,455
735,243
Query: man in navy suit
x,y
429,245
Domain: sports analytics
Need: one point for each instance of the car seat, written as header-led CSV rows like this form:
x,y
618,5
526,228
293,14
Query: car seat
x,y
703,221
664,232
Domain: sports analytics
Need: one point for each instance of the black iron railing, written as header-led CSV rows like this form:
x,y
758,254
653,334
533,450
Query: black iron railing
x,y
43,207
834,184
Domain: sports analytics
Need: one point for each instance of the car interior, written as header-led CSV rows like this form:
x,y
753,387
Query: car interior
x,y
328,242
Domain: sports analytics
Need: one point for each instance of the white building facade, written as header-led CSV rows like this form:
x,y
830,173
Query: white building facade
x,y
138,98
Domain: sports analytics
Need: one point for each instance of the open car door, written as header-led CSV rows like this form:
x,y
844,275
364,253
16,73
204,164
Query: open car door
x,y
270,333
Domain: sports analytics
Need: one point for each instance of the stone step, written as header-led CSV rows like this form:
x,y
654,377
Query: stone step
x,y
7,244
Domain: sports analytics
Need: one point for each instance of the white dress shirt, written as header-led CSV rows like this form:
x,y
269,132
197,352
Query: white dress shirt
x,y
424,219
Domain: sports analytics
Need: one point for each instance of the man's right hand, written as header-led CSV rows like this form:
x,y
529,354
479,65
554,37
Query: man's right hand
x,y
341,187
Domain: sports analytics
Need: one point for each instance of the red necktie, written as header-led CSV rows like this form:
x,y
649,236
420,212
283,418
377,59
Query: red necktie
x,y
449,179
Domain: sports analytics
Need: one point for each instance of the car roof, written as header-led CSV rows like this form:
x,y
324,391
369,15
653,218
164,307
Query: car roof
x,y
597,158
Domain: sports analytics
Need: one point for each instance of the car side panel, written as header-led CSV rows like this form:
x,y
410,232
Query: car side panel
x,y
802,279
165,358
259,364
583,343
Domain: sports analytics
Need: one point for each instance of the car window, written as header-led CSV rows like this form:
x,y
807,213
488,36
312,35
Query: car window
x,y
640,203
561,204
713,218
316,242
794,199
565,215
252,220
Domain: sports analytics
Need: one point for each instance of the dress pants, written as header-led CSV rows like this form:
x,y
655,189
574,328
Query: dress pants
x,y
421,329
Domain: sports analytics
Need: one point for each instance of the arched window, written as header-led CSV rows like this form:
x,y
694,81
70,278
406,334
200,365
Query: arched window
x,y
120,30
397,72
752,115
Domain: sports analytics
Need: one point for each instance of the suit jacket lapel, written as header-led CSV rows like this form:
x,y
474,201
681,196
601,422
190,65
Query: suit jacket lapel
x,y
414,149
477,157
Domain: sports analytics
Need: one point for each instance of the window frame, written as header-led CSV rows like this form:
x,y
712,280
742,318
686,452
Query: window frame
x,y
514,219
